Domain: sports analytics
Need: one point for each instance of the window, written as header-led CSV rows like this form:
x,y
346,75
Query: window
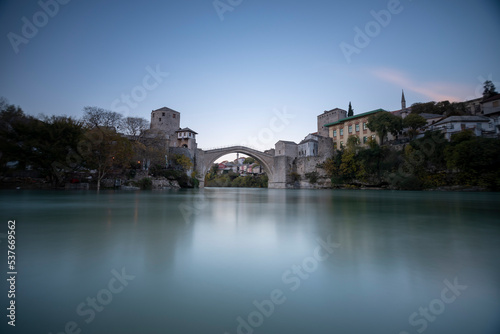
x,y
357,127
350,128
364,126
341,132
173,115
163,114
334,133
373,137
159,119
365,139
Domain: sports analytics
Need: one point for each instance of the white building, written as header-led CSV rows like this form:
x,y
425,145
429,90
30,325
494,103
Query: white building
x,y
480,125
309,146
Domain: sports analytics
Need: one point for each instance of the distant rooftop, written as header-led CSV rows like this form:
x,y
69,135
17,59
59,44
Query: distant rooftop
x,y
430,116
287,142
463,119
166,109
493,98
308,141
335,109
186,130
356,116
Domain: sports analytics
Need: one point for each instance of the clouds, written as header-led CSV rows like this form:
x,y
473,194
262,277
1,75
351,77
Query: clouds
x,y
432,90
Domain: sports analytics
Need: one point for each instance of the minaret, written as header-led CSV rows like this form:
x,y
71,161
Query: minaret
x,y
403,101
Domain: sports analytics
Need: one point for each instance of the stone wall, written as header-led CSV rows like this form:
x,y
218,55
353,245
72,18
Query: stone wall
x,y
283,166
307,165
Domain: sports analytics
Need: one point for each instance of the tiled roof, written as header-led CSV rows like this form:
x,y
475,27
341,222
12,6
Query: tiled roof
x,y
493,98
166,109
186,130
356,116
430,116
463,119
308,141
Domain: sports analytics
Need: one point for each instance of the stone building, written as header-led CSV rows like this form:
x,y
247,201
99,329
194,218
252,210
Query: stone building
x,y
309,146
186,138
165,127
286,148
166,120
329,116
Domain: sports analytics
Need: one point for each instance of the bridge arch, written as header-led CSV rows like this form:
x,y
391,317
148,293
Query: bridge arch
x,y
210,156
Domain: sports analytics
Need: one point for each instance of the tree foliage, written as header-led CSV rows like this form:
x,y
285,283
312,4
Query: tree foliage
x,y
489,89
383,123
413,122
101,118
134,126
183,161
350,112
248,161
444,108
105,151
41,144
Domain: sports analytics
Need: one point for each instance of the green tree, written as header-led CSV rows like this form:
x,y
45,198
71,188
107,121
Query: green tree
x,y
248,161
49,145
183,161
105,151
350,112
350,166
384,123
427,107
352,143
477,159
489,89
413,122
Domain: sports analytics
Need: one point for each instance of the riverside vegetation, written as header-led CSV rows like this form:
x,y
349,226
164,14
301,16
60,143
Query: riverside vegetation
x,y
425,163
42,152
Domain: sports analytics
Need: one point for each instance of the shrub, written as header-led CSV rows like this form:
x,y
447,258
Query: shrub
x,y
145,183
312,177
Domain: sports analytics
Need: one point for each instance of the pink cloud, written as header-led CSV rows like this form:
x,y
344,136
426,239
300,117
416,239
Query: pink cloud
x,y
435,91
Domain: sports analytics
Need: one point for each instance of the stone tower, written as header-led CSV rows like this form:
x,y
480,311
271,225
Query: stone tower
x,y
404,111
166,120
329,116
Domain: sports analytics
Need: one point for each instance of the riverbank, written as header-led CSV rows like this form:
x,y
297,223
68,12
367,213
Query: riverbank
x,y
161,183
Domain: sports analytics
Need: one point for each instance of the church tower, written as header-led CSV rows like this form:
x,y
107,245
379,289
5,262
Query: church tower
x,y
404,111
403,101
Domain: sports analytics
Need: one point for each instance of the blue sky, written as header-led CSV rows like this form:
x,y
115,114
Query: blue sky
x,y
229,78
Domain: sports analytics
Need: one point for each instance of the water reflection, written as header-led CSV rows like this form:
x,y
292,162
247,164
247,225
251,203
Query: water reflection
x,y
203,257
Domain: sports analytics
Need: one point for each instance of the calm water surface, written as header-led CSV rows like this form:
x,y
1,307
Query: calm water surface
x,y
254,261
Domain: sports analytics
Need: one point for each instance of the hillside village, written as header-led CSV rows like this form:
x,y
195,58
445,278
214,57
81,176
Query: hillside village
x,y
480,117
371,149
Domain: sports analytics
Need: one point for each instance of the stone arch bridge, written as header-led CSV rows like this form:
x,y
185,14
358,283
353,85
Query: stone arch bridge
x,y
206,159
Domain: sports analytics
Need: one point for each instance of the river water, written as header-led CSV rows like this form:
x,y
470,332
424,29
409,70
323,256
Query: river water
x,y
254,261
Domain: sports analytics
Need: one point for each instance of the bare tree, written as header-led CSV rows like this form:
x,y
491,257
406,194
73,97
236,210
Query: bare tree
x,y
134,126
99,117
